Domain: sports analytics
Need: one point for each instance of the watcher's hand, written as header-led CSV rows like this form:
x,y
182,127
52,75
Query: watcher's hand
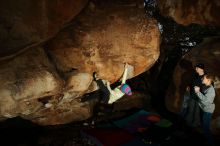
x,y
197,89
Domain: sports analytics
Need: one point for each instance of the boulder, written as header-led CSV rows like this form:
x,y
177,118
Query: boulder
x,y
25,23
26,77
104,37
43,84
31,88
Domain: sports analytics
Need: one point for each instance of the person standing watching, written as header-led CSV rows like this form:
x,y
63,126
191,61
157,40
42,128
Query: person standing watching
x,y
206,97
193,113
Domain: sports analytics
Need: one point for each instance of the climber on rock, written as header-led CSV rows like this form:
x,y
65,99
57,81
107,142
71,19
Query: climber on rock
x,y
109,95
118,92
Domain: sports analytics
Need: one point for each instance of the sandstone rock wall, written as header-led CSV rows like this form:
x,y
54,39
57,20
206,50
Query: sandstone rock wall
x,y
205,12
106,36
43,83
25,23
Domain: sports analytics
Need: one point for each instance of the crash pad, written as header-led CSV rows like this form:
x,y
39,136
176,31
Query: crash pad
x,y
107,136
138,122
154,118
164,123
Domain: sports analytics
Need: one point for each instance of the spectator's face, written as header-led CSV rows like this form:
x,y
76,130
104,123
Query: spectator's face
x,y
205,80
199,70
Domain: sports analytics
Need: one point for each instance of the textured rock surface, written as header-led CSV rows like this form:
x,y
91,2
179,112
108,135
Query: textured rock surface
x,y
28,76
31,88
79,82
28,22
63,112
192,11
208,53
104,37
44,87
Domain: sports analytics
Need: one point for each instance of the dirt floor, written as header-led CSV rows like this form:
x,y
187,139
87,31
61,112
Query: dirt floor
x,y
19,132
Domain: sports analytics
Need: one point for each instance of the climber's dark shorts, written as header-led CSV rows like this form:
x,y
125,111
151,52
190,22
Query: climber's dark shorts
x,y
103,93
